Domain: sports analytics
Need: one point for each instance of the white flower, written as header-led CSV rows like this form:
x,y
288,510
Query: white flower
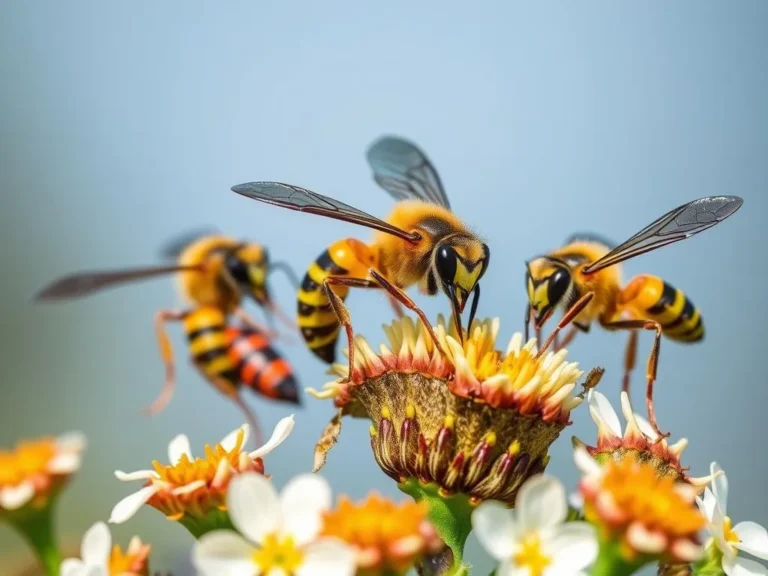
x,y
36,466
747,537
280,532
99,559
533,539
200,481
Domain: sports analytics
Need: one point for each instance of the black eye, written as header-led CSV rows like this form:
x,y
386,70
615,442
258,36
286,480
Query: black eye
x,y
558,285
238,269
486,260
446,263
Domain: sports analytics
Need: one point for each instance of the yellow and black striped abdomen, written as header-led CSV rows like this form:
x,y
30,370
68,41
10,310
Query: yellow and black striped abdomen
x,y
317,321
209,344
651,298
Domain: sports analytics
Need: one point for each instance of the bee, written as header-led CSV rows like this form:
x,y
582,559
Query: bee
x,y
422,242
585,272
215,273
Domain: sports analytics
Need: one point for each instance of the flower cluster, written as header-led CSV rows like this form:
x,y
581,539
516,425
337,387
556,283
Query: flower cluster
x,y
465,416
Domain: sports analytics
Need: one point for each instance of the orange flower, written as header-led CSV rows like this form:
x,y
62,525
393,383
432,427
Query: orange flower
x,y
389,538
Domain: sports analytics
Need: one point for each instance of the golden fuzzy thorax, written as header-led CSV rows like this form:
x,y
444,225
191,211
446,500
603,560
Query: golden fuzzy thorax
x,y
208,287
472,419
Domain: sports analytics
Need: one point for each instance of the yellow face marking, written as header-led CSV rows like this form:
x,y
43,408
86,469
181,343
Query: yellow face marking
x,y
257,275
464,278
540,297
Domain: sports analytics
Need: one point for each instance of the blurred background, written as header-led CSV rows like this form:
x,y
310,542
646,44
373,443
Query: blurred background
x,y
125,124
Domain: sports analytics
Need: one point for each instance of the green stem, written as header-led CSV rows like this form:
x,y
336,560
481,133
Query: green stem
x,y
36,526
610,561
213,520
451,517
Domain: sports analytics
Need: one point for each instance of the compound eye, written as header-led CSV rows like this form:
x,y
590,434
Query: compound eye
x,y
558,284
486,260
446,263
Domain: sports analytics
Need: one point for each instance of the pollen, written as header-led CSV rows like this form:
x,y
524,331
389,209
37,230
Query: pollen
x,y
531,556
278,555
388,537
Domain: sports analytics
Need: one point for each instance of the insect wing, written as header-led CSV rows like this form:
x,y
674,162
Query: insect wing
x,y
174,247
404,171
86,283
297,198
678,224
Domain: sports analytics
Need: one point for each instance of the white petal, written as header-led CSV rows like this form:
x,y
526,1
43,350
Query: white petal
x,y
254,506
14,497
129,505
707,504
602,411
541,503
96,545
71,567
138,475
188,488
328,556
302,501
494,526
72,442
64,463
573,546
177,448
754,539
507,568
230,440
720,487
585,462
738,566
645,427
281,432
224,553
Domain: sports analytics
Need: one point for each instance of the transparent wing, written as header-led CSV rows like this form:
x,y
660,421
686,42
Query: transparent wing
x,y
174,247
589,237
296,198
678,224
405,171
86,283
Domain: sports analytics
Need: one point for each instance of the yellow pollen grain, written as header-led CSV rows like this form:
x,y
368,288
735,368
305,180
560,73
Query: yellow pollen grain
x,y
385,413
372,430
514,448
449,421
490,438
410,411
278,554
531,556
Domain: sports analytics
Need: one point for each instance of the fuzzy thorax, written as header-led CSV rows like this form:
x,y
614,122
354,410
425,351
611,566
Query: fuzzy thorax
x,y
472,419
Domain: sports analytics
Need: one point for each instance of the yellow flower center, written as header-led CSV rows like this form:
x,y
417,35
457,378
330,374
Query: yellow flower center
x,y
730,536
277,553
186,471
531,556
381,525
128,562
643,496
28,459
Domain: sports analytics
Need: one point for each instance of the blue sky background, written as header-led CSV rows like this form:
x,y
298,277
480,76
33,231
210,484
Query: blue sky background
x,y
125,124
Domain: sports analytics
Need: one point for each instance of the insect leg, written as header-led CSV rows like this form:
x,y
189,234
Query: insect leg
x,y
653,362
567,318
403,298
337,304
166,353
630,357
233,394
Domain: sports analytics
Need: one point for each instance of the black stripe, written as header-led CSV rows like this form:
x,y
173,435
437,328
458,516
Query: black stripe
x,y
308,309
232,376
692,330
212,329
309,285
327,352
310,332
685,315
210,355
666,300
326,263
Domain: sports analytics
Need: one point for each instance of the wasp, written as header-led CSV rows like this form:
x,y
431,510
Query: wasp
x,y
215,273
585,271
422,242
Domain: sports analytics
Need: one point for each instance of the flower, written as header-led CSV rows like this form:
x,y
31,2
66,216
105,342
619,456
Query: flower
x,y
471,419
533,539
279,533
191,489
388,538
651,516
638,440
99,558
37,469
729,540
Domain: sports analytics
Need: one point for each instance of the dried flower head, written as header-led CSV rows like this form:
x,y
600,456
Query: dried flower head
x,y
193,490
389,538
472,419
37,469
638,440
650,515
